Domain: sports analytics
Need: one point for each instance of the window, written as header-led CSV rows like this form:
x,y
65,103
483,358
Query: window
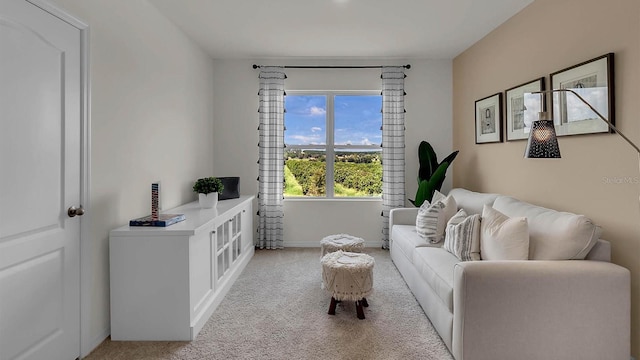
x,y
333,144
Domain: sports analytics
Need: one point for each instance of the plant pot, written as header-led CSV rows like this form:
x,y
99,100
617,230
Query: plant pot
x,y
208,201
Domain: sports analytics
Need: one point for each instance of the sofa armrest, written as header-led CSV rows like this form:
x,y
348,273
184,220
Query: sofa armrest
x,y
601,251
403,216
576,309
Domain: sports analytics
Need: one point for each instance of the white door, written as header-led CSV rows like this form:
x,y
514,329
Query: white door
x,y
40,124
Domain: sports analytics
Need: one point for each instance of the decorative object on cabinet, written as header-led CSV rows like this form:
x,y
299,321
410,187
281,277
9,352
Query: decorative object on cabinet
x,y
208,201
162,220
166,282
489,119
208,189
155,200
593,80
521,111
157,219
231,188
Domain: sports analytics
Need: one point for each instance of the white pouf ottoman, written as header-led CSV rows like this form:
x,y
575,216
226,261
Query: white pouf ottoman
x,y
344,242
348,276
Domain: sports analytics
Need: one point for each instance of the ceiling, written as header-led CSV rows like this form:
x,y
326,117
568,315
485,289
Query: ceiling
x,y
262,29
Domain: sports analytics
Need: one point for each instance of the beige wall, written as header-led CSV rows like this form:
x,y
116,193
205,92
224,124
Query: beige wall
x,y
547,36
428,105
151,117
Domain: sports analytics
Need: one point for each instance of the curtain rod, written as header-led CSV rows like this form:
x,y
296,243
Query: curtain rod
x,y
408,66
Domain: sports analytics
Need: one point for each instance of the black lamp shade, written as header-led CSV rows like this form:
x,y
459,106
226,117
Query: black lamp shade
x,y
543,142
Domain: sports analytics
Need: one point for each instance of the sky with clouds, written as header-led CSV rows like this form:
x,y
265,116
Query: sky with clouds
x,y
357,119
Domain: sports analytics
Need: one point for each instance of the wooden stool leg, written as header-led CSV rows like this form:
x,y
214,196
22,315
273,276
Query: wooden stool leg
x,y
359,310
332,306
364,302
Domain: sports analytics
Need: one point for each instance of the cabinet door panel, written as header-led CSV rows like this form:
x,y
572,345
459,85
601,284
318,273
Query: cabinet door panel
x,y
228,229
220,266
226,259
220,235
234,251
200,269
247,227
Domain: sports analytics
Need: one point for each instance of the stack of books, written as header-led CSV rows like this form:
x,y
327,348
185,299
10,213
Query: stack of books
x,y
163,220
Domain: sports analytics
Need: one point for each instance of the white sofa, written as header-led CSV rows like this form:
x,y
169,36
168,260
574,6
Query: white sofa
x,y
527,309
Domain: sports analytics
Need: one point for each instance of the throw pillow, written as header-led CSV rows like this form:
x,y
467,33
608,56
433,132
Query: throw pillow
x,y
428,219
502,237
462,237
450,207
553,235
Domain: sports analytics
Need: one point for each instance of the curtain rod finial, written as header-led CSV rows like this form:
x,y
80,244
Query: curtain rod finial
x,y
408,66
255,66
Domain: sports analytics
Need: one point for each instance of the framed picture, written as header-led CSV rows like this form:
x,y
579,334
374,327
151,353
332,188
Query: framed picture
x,y
593,80
521,110
489,119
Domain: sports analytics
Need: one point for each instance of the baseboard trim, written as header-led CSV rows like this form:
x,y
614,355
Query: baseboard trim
x,y
308,244
95,342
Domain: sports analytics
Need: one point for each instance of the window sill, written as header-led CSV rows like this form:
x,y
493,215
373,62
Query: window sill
x,y
335,199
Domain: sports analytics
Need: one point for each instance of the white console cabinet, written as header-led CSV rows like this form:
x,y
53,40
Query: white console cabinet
x,y
166,282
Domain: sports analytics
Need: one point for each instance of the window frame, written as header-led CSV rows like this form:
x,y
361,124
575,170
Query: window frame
x,y
330,146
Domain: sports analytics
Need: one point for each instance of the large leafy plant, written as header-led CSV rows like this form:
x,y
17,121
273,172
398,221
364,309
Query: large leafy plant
x,y
431,174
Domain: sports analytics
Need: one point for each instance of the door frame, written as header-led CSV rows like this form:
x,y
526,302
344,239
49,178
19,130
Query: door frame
x,y
87,344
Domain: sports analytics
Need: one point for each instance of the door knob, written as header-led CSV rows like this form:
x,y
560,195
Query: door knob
x,y
73,211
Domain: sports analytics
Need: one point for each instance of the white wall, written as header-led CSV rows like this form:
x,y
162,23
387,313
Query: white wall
x,y
153,118
151,115
429,113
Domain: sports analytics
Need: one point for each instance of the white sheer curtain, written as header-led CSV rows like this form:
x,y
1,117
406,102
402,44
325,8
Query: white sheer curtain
x,y
393,193
271,162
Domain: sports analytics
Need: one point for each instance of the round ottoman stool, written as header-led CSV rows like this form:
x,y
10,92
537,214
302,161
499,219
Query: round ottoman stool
x,y
344,242
348,276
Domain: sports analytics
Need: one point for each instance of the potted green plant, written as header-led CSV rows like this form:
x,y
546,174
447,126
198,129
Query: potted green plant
x,y
431,173
208,189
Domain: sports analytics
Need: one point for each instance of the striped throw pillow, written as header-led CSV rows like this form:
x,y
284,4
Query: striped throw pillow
x,y
462,237
450,208
427,221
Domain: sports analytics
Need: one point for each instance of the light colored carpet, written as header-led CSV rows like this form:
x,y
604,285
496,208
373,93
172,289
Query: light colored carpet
x,y
277,310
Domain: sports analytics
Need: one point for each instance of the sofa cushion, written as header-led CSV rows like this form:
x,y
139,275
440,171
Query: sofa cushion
x,y
435,266
472,202
430,221
553,235
405,238
450,207
502,237
462,237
